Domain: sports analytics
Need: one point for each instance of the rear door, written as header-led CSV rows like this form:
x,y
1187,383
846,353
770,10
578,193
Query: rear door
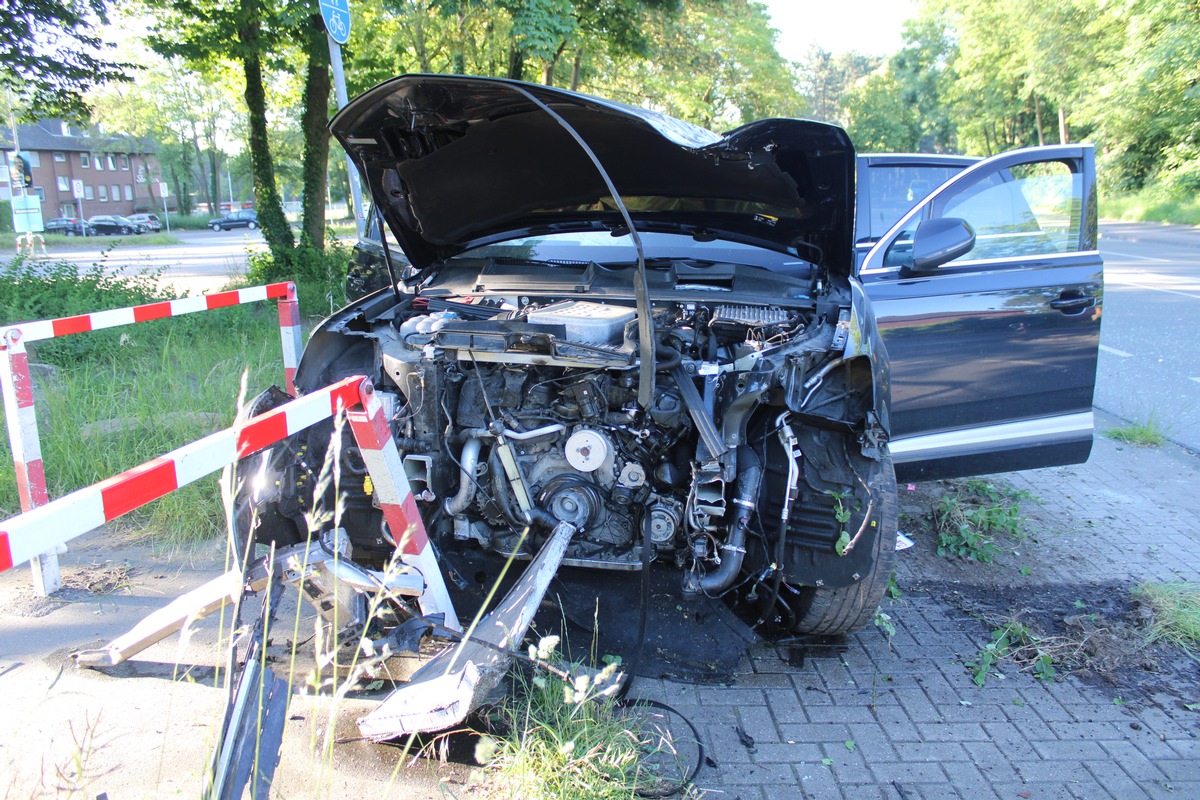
x,y
993,355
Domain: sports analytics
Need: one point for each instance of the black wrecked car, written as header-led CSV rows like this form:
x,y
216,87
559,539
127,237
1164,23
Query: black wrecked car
x,y
662,337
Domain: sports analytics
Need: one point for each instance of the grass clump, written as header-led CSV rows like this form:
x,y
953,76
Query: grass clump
x,y
1145,434
1014,641
1176,613
567,737
972,516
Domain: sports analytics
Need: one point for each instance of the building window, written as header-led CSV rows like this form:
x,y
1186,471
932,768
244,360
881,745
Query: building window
x,y
40,192
116,192
35,158
60,157
89,193
66,128
103,193
64,183
85,160
112,163
125,161
129,191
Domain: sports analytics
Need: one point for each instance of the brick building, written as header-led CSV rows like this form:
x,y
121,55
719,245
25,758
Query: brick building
x,y
119,173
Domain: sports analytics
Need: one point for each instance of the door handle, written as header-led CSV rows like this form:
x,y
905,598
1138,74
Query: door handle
x,y
1072,304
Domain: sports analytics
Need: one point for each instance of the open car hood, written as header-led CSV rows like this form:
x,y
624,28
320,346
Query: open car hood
x,y
456,162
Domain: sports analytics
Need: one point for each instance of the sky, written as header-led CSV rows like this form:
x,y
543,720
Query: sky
x,y
871,27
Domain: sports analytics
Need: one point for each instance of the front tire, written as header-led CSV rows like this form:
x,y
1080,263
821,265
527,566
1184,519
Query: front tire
x,y
251,225
215,227
830,612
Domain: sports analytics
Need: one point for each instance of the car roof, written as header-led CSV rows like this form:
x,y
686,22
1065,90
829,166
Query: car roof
x,y
916,159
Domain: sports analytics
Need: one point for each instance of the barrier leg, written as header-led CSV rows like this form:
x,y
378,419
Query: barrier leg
x,y
21,419
390,482
290,333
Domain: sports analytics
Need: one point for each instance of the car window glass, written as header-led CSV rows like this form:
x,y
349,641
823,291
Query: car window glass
x,y
1032,209
1028,210
895,189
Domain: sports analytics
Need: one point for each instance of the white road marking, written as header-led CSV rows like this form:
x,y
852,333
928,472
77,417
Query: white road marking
x,y
1117,352
1109,250
1124,282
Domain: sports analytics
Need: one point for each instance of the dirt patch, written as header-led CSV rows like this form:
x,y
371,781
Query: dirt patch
x,y
1097,631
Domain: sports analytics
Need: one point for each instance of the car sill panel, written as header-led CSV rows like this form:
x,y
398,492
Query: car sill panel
x,y
1009,435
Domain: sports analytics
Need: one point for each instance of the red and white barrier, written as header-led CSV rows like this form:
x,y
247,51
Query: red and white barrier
x,y
24,536
17,385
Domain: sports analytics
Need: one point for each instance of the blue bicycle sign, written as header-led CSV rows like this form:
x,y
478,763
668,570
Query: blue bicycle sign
x,y
336,14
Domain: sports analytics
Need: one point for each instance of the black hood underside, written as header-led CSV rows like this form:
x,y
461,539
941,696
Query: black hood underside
x,y
454,163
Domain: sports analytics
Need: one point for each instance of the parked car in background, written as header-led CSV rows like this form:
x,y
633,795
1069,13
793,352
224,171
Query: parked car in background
x,y
150,221
67,226
114,224
245,218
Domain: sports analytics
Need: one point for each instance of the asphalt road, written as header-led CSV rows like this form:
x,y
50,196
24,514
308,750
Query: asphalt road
x,y
1149,362
1149,359
204,262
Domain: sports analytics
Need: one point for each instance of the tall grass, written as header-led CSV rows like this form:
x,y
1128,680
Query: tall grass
x,y
123,396
1176,613
1152,204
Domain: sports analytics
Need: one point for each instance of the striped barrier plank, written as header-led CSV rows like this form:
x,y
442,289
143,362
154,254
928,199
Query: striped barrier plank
x,y
17,384
26,535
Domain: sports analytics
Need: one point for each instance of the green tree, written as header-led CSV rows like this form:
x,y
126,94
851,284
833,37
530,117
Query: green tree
x,y
50,54
825,78
714,64
878,117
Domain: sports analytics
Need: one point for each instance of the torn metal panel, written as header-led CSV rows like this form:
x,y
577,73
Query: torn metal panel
x,y
444,691
326,578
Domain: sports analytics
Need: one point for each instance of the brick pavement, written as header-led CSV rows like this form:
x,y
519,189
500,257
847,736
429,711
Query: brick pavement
x,y
903,720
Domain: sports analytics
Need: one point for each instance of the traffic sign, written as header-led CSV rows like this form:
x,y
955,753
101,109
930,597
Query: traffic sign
x,y
77,189
336,14
162,188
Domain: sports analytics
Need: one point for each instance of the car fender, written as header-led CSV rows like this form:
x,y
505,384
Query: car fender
x,y
863,341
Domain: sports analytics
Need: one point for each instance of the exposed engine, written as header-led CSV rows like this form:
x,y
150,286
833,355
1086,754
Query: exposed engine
x,y
513,419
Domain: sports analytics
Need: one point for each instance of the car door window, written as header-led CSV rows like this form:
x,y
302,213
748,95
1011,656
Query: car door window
x,y
1031,209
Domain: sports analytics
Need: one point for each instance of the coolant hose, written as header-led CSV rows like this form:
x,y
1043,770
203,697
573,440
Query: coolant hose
x,y
466,481
734,549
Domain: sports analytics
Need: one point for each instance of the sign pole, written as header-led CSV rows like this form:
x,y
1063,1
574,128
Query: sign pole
x,y
336,14
162,189
77,193
339,85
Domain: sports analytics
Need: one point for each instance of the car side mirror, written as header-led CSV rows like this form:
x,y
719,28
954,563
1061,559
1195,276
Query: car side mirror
x,y
938,241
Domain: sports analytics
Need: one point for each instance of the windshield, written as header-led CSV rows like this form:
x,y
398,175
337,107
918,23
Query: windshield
x,y
604,248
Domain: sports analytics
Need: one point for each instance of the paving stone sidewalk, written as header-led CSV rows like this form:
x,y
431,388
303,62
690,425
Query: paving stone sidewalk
x,y
904,720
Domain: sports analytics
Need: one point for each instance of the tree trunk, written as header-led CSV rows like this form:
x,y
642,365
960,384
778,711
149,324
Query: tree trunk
x,y
1037,112
1062,126
575,73
214,180
316,140
516,63
274,224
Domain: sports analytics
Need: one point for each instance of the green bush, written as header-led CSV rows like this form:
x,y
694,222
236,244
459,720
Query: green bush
x,y
191,222
320,276
6,217
31,290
